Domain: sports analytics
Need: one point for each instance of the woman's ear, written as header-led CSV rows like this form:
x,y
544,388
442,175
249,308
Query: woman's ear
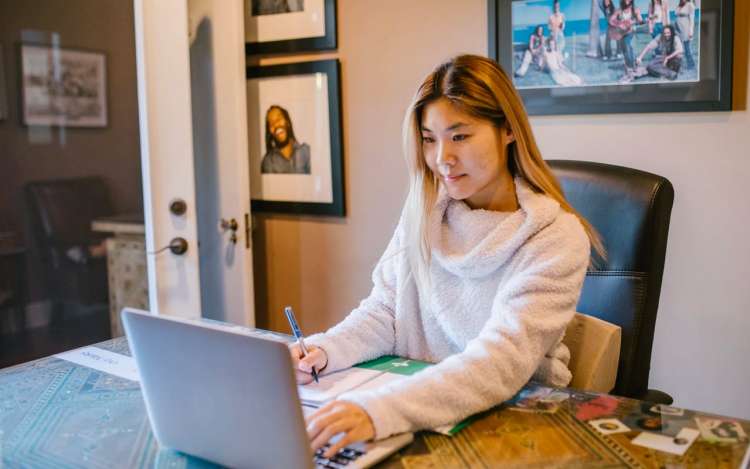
x,y
509,134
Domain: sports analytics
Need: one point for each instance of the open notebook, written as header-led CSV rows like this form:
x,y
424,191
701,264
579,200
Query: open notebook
x,y
367,375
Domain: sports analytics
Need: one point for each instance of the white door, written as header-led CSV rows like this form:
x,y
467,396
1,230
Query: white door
x,y
191,85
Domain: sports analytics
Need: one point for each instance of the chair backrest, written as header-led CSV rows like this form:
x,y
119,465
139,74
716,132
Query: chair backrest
x,y
594,353
631,210
61,211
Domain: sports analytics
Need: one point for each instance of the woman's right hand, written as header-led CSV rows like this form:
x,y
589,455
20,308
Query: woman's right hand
x,y
316,357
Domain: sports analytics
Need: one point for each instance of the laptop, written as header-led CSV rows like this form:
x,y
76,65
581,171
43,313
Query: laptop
x,y
228,394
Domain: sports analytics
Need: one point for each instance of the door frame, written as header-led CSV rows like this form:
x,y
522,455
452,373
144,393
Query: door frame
x,y
167,149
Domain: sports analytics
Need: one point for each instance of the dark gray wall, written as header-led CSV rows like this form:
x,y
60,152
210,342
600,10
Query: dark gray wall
x,y
112,152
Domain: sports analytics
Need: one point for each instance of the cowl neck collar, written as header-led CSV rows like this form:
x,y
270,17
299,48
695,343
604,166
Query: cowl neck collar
x,y
474,243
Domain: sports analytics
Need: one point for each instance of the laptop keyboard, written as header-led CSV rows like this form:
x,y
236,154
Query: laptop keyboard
x,y
339,460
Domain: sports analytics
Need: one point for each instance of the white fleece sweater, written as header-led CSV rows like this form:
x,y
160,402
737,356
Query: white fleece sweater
x,y
504,287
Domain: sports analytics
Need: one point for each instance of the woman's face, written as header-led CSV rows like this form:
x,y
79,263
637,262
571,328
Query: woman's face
x,y
467,154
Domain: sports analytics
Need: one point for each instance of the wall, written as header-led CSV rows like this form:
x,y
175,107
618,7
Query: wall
x,y
28,154
322,266
700,344
378,77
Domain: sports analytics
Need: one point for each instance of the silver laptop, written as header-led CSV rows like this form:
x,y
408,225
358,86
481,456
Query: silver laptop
x,y
228,394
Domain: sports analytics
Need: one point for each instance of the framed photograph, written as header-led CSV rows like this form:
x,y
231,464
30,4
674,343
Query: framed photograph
x,y
3,96
295,140
615,56
63,87
289,26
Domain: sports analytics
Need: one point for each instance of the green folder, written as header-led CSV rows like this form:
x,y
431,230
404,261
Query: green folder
x,y
408,367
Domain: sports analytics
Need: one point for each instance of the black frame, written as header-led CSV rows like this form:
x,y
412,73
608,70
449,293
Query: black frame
x,y
332,69
628,99
3,96
307,44
22,93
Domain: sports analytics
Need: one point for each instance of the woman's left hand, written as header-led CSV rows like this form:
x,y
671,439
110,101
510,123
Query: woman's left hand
x,y
339,417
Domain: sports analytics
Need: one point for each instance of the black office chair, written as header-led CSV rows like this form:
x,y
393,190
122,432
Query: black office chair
x,y
60,213
631,210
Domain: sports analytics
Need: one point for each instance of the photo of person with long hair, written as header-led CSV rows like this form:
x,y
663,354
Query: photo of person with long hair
x,y
669,60
556,25
685,27
599,35
481,276
534,53
608,8
624,21
284,154
554,64
658,16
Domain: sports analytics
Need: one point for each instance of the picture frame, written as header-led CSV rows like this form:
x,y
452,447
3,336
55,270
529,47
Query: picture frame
x,y
309,26
610,86
3,96
62,87
295,138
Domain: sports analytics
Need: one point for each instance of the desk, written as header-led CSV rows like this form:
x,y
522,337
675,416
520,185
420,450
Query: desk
x,y
126,264
57,414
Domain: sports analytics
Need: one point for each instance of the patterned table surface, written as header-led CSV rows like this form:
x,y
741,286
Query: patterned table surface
x,y
57,414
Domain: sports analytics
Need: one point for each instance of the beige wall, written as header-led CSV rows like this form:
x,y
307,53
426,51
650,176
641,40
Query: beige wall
x,y
322,266
701,344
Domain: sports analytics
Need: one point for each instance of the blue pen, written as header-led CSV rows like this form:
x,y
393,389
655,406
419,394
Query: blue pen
x,y
298,335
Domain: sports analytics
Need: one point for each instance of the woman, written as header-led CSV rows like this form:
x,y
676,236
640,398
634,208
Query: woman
x,y
669,60
624,21
482,274
555,66
608,9
685,26
658,16
534,52
556,25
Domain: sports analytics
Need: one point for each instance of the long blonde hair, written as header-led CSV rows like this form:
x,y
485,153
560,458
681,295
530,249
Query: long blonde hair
x,y
479,87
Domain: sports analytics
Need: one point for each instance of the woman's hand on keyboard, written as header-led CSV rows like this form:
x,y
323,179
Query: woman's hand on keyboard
x,y
316,357
339,417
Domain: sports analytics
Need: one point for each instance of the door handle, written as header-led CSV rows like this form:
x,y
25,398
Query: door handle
x,y
178,246
232,226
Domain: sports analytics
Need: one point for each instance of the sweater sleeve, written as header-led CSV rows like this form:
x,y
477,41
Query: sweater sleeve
x,y
368,331
529,315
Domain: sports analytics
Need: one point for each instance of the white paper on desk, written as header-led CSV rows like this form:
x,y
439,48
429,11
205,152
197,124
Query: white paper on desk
x,y
334,384
103,360
676,445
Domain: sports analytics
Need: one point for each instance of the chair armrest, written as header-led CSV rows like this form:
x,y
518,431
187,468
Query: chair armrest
x,y
594,347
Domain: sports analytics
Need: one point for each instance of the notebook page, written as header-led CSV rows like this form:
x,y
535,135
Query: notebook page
x,y
334,384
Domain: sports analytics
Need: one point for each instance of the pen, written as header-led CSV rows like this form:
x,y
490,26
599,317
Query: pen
x,y
298,335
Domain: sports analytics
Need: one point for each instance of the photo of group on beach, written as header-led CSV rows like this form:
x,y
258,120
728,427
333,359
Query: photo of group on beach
x,y
575,43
